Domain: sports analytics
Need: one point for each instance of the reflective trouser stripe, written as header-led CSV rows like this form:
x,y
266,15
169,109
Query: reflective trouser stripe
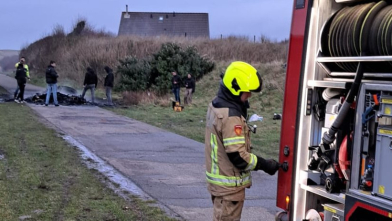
x,y
252,163
214,155
228,180
233,140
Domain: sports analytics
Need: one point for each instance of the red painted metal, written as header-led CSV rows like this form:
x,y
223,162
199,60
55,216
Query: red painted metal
x,y
290,103
344,163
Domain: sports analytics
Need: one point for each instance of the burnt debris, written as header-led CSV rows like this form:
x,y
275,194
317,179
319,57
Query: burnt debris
x,y
65,96
63,99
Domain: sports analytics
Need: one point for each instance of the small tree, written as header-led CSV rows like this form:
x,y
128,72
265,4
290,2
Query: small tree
x,y
135,74
155,73
172,57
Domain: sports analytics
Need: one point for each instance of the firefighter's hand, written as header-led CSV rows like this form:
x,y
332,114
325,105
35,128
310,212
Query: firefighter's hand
x,y
269,166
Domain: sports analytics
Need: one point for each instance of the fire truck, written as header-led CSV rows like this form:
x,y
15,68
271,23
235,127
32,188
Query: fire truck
x,y
336,136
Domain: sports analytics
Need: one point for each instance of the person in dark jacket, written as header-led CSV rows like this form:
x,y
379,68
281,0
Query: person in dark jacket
x,y
109,79
176,82
22,61
20,76
190,89
90,83
51,80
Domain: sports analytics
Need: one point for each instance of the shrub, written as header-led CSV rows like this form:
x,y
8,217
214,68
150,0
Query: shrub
x,y
155,73
135,74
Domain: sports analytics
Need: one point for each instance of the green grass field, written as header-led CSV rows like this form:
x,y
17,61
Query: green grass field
x,y
43,178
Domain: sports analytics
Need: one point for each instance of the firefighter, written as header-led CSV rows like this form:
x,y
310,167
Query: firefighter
x,y
227,142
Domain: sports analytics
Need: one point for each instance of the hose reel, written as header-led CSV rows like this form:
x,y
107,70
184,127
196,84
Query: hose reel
x,y
365,28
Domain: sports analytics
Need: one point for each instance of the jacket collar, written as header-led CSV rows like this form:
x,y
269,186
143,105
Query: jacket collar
x,y
225,99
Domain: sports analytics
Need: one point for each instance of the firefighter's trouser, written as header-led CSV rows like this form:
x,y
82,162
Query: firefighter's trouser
x,y
226,210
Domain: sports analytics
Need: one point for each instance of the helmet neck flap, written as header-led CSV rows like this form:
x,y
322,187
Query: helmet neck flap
x,y
225,99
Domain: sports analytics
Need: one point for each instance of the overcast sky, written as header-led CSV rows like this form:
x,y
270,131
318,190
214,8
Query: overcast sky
x,y
25,21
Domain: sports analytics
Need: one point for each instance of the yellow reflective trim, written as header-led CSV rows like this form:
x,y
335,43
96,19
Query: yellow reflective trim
x,y
214,155
252,163
233,140
228,181
240,142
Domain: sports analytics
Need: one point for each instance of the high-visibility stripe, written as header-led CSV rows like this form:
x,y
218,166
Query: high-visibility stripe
x,y
229,181
253,162
214,155
233,140
25,66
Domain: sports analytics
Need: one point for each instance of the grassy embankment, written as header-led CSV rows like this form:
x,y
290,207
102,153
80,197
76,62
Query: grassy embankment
x,y
191,122
73,53
43,178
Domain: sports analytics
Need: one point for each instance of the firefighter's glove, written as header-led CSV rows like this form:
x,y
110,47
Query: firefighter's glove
x,y
269,166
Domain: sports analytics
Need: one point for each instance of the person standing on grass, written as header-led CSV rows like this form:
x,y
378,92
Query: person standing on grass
x,y
51,80
190,89
90,83
176,82
23,62
21,75
109,79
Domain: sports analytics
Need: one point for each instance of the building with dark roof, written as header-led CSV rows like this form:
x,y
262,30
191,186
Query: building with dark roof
x,y
164,23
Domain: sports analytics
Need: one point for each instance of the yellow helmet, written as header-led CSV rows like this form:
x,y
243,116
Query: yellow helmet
x,y
242,77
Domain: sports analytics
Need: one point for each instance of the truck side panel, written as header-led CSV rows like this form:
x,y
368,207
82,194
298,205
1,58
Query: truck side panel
x,y
290,105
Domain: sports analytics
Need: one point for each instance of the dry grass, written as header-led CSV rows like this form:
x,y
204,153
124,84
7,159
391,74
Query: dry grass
x,y
144,98
73,53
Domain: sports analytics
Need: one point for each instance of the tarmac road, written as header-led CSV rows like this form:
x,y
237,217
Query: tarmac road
x,y
168,167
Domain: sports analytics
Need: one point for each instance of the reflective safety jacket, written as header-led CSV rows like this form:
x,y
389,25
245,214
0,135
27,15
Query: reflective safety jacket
x,y
227,134
26,67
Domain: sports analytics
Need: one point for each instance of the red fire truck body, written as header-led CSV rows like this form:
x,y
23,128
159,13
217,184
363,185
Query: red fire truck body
x,y
336,135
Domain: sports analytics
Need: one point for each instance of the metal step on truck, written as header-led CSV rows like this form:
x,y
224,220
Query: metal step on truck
x,y
336,133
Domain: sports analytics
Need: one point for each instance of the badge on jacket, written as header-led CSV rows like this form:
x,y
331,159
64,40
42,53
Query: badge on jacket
x,y
238,129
